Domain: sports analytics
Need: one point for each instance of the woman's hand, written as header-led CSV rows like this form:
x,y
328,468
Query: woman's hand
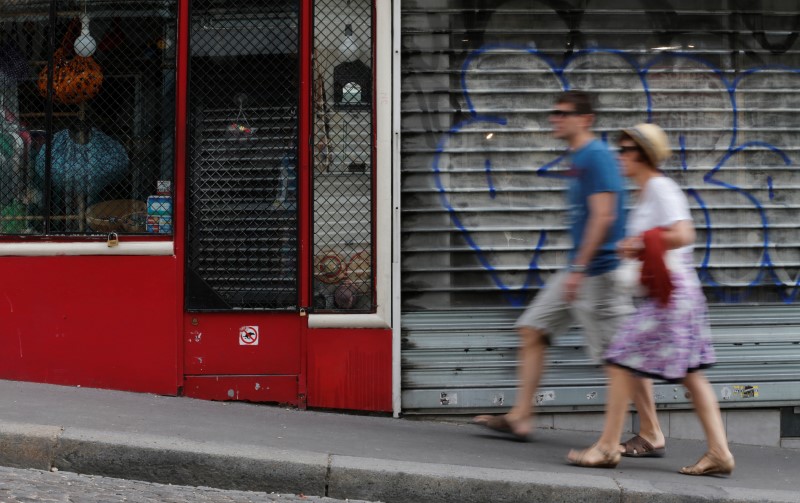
x,y
630,247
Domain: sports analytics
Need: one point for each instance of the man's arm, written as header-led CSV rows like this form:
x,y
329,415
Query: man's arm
x,y
602,214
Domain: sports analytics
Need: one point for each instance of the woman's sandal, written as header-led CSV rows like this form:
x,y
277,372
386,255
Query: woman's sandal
x,y
607,460
710,465
638,447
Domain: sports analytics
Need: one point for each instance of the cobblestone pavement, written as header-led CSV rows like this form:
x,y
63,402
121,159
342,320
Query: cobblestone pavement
x,y
26,486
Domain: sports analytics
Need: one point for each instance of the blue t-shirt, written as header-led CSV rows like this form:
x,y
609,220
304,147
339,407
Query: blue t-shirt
x,y
594,170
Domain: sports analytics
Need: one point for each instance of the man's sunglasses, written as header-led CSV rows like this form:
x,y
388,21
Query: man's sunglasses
x,y
627,148
562,113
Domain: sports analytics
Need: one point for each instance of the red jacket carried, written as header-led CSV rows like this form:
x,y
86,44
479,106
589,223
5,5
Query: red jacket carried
x,y
655,273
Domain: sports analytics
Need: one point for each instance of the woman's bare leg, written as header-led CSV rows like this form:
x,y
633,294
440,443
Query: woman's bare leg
x,y
617,400
707,408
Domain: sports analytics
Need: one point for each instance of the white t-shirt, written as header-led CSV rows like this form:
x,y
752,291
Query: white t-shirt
x,y
661,203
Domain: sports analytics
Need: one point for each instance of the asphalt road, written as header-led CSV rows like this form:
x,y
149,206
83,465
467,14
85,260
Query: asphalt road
x,y
18,486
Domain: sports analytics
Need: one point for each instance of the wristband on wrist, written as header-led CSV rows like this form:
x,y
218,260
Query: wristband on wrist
x,y
577,268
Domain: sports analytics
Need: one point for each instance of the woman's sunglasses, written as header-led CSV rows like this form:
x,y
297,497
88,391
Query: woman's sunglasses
x,y
562,113
627,148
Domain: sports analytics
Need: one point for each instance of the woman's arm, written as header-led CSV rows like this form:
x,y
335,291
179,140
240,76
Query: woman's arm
x,y
679,234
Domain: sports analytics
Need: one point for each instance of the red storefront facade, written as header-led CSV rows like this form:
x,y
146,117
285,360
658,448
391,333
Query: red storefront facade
x,y
116,309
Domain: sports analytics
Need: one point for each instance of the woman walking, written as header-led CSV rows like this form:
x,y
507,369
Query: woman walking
x,y
668,337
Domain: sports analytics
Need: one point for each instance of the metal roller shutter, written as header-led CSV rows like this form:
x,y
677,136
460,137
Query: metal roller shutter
x,y
483,206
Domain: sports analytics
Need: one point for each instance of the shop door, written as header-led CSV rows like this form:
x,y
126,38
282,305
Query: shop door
x,y
243,322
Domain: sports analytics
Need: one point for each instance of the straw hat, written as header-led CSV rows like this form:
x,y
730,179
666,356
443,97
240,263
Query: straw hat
x,y
652,140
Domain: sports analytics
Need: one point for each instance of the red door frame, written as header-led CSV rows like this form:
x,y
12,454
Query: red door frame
x,y
218,389
179,181
304,180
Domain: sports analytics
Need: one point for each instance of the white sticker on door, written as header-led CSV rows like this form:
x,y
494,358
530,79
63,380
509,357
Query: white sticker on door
x,y
248,335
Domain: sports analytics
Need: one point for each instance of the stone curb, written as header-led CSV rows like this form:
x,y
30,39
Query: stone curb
x,y
171,461
242,467
28,446
406,482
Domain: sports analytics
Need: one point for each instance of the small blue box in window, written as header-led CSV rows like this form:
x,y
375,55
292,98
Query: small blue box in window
x,y
159,205
159,214
159,225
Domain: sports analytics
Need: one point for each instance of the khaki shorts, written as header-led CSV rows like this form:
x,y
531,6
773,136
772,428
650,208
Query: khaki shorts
x,y
599,308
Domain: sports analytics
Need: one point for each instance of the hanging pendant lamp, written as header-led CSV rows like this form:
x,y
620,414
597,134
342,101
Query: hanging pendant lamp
x,y
85,45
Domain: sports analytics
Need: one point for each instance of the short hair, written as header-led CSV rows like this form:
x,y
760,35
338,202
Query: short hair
x,y
578,99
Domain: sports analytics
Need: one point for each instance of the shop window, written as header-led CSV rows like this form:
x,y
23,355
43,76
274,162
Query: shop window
x,y
343,156
86,132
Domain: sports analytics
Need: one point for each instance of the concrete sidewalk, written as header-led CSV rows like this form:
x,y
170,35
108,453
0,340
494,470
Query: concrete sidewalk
x,y
265,448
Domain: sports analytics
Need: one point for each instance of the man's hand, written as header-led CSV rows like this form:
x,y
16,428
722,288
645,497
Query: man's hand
x,y
571,285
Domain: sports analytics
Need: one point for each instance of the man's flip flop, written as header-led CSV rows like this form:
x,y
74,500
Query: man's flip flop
x,y
637,447
501,425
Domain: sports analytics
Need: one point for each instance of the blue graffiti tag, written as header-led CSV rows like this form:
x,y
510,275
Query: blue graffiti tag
x,y
489,181
713,177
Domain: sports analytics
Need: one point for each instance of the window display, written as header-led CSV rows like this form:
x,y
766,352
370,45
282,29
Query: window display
x,y
343,156
86,135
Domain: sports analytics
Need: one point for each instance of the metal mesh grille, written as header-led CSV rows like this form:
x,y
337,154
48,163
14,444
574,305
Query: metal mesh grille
x,y
242,182
86,135
484,220
343,169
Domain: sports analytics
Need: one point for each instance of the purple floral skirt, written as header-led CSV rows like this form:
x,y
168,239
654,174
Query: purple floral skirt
x,y
667,342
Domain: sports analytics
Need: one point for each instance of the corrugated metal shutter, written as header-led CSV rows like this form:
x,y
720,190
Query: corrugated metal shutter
x,y
483,208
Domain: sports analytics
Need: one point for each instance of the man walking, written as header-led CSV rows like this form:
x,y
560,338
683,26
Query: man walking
x,y
587,291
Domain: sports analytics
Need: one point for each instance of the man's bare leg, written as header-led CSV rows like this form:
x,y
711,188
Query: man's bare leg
x,y
529,372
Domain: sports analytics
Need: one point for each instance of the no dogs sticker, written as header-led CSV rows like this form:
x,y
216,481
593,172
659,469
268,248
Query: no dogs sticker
x,y
248,335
